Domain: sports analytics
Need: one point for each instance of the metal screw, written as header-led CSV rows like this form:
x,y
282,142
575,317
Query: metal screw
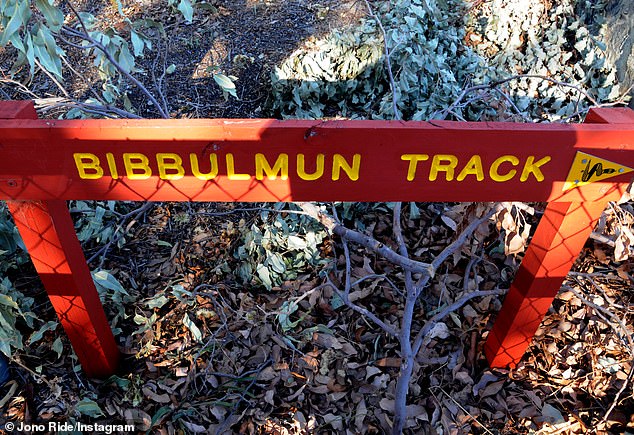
x,y
12,183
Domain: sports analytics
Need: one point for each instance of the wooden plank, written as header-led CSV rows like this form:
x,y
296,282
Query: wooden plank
x,y
611,115
48,233
17,110
247,160
558,240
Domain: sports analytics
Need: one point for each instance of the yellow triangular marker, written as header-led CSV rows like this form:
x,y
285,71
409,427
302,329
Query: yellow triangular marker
x,y
587,169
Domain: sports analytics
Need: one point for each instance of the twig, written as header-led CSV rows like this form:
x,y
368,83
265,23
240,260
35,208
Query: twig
x,y
512,103
377,276
118,233
158,84
380,248
496,83
624,330
422,334
96,44
257,371
20,85
472,262
47,104
365,241
602,239
388,63
402,247
363,311
247,209
464,410
52,77
38,377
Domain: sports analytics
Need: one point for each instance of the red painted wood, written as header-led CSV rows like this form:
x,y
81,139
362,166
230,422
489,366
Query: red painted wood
x,y
558,240
17,110
36,163
38,157
613,115
49,236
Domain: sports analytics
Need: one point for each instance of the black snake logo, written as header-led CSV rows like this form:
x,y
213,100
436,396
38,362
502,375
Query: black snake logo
x,y
597,169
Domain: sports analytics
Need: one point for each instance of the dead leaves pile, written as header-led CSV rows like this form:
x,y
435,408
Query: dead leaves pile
x,y
206,355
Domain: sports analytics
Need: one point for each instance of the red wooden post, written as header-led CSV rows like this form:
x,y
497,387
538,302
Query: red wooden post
x,y
49,236
558,240
560,236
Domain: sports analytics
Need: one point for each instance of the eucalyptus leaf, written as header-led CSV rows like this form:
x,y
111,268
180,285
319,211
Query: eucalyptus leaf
x,y
137,43
198,336
19,13
226,84
48,326
54,16
89,408
58,346
185,7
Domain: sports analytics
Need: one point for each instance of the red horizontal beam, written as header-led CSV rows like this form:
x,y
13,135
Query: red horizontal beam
x,y
217,160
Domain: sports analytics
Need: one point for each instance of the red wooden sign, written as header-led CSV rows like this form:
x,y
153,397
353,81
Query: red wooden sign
x,y
576,168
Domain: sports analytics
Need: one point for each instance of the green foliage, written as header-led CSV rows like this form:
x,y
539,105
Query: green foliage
x,y
112,294
434,59
562,42
347,69
36,29
342,69
278,248
10,241
95,220
88,408
14,308
227,84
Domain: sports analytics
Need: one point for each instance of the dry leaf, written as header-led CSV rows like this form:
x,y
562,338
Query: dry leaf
x,y
440,330
139,419
160,398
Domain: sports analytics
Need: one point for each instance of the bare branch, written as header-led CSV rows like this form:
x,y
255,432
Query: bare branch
x,y
363,311
422,334
22,88
494,84
378,247
47,104
52,77
398,235
365,241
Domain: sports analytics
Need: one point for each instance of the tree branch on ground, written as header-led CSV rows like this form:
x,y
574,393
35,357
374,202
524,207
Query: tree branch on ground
x,y
85,35
408,349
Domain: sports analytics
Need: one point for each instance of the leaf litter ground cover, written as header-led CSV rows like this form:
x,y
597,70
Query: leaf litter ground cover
x,y
209,348
205,352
